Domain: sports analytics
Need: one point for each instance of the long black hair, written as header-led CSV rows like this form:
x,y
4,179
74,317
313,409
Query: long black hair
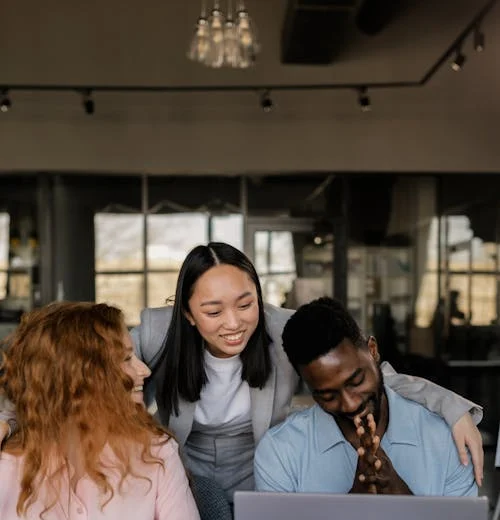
x,y
181,371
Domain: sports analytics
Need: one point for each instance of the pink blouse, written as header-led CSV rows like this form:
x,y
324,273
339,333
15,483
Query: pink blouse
x,y
167,496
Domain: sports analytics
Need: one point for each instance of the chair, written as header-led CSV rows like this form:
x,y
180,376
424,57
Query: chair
x,y
211,499
496,513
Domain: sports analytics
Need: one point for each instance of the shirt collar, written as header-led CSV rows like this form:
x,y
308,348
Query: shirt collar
x,y
402,428
399,431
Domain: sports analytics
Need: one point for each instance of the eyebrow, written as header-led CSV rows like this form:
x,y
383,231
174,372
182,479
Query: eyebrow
x,y
218,302
347,381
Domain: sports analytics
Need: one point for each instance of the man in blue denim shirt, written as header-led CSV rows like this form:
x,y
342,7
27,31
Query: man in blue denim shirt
x,y
360,437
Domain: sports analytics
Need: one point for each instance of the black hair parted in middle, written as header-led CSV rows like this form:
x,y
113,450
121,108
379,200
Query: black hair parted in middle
x,y
318,327
181,372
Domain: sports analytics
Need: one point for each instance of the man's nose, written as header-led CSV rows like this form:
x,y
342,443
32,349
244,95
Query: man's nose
x,y
350,402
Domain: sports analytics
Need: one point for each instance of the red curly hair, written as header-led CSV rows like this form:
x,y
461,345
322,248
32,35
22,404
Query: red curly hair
x,y
62,370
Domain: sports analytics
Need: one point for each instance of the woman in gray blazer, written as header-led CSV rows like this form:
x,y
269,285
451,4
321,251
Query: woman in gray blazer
x,y
221,378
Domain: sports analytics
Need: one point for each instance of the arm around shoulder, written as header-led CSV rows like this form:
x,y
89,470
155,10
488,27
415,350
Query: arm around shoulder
x,y
435,398
460,478
8,423
149,336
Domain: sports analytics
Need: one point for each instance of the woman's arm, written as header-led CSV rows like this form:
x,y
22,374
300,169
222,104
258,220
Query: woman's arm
x,y
149,338
174,500
8,422
4,431
461,414
149,335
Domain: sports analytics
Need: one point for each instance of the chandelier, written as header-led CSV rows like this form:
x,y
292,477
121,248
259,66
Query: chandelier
x,y
221,40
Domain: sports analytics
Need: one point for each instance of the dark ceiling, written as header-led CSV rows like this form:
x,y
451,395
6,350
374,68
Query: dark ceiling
x,y
316,31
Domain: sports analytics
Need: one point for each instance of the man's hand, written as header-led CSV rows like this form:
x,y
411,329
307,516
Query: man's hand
x,y
368,463
387,480
374,472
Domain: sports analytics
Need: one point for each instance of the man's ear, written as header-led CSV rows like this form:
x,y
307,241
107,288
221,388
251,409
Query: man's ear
x,y
189,317
373,348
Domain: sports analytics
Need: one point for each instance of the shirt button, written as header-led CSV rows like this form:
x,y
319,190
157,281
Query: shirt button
x,y
79,510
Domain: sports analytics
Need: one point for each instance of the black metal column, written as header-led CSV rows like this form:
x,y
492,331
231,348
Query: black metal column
x,y
341,242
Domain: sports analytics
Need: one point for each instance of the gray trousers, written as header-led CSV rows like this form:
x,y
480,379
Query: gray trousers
x,y
227,459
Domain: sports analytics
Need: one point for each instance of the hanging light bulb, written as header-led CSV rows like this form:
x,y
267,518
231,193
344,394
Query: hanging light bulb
x,y
232,54
249,45
5,102
200,43
215,57
221,40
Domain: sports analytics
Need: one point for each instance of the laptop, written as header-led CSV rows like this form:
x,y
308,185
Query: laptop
x,y
255,505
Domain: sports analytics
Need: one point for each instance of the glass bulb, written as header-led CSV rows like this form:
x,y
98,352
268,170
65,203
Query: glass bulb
x,y
247,34
232,54
215,56
200,44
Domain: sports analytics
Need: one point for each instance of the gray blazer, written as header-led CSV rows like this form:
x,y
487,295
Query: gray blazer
x,y
271,404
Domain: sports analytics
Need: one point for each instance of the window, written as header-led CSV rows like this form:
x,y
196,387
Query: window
x,y
170,238
4,252
119,262
468,271
122,272
275,264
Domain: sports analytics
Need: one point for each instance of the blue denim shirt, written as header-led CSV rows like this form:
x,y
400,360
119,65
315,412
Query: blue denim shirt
x,y
308,453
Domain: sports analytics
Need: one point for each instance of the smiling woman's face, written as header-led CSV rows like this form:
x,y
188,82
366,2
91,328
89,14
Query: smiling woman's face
x,y
134,368
225,310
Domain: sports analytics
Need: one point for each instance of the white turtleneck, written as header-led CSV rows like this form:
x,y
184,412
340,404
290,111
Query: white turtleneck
x,y
225,399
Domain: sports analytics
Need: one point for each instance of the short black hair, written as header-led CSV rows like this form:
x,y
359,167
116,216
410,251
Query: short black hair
x,y
318,327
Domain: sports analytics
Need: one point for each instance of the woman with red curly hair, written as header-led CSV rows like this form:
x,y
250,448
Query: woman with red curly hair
x,y
85,447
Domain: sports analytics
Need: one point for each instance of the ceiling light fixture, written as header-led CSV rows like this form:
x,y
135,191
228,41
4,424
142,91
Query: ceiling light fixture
x,y
88,102
478,40
220,40
266,103
5,102
364,100
459,61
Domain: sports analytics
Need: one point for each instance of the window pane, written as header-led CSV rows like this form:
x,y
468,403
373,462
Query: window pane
x,y
161,286
20,287
458,299
275,288
261,248
483,255
432,242
229,229
4,252
4,240
282,257
274,252
3,285
459,243
427,300
171,237
124,291
483,300
118,241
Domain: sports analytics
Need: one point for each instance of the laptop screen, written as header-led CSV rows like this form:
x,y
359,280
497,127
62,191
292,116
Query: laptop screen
x,y
250,505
